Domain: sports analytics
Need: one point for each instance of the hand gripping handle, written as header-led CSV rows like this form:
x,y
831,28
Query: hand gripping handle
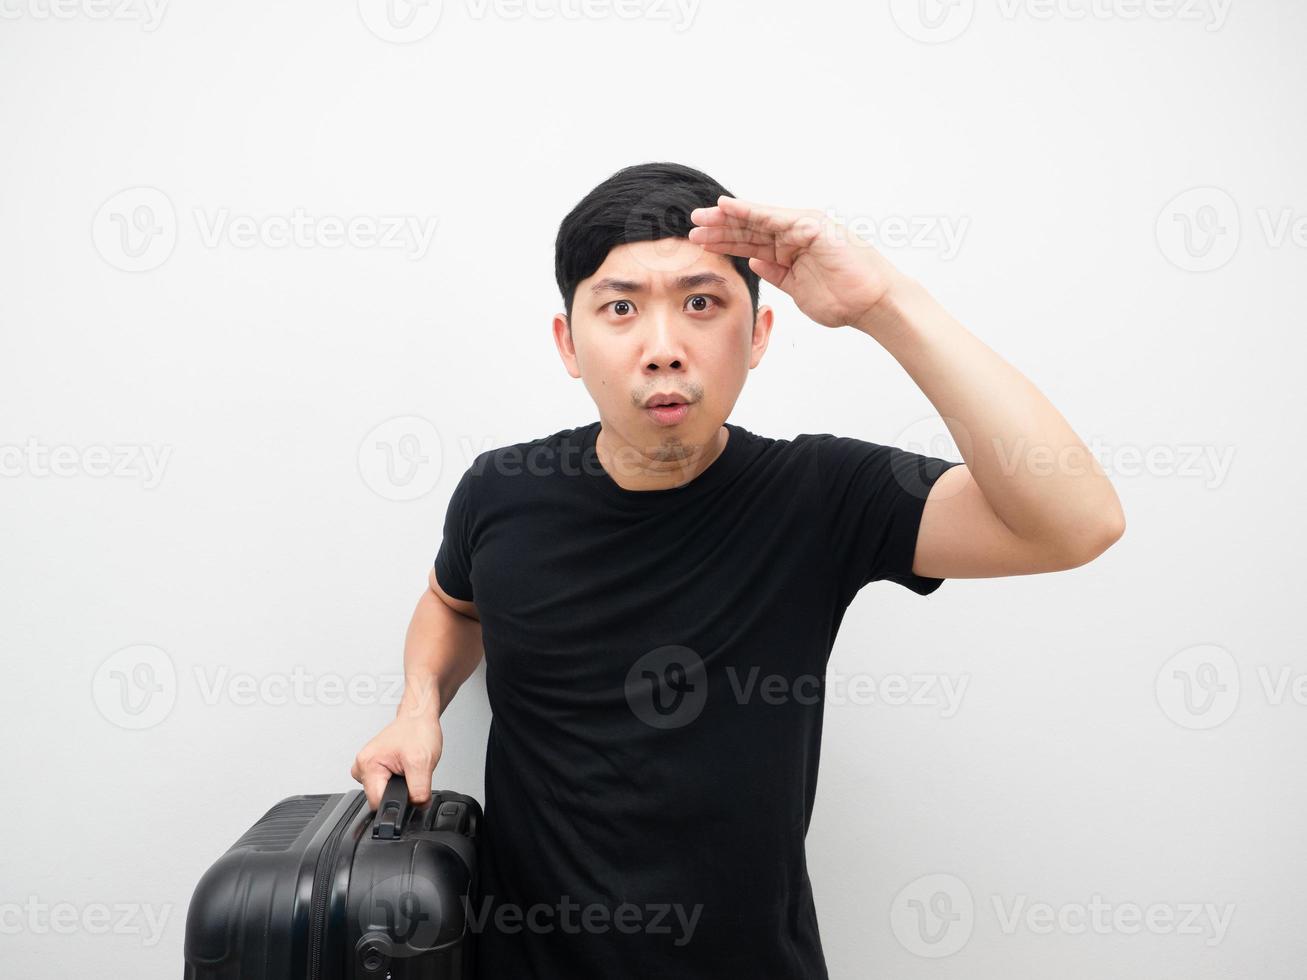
x,y
393,810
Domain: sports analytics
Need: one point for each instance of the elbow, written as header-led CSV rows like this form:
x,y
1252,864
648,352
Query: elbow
x,y
1091,539
1109,533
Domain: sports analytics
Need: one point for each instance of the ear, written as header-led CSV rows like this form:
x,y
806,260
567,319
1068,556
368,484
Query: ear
x,y
762,325
563,341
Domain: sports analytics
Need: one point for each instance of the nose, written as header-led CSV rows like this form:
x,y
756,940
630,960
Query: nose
x,y
665,349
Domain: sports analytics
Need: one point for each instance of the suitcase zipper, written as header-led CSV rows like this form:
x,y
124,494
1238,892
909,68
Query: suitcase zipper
x,y
321,886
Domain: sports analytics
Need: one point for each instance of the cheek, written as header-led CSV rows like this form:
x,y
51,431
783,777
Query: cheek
x,y
722,370
604,365
729,351
605,361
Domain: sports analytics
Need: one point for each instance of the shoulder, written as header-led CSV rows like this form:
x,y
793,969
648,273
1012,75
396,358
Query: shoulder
x,y
490,470
807,445
788,457
834,460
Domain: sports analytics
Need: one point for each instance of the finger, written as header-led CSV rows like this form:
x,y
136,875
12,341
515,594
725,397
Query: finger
x,y
712,215
417,773
747,250
375,779
763,217
731,210
727,226
801,232
729,233
772,272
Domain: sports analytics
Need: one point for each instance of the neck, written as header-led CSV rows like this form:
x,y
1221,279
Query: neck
x,y
663,465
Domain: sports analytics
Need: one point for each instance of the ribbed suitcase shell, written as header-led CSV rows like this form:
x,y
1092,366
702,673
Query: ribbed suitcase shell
x,y
322,888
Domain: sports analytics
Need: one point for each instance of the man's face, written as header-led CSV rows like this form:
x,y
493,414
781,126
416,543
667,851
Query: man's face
x,y
663,317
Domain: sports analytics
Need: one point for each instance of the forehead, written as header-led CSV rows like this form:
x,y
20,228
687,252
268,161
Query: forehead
x,y
668,264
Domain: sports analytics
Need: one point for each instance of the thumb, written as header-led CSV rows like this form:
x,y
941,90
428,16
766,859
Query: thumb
x,y
772,272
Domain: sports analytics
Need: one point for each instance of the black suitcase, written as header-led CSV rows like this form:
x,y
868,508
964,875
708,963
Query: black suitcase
x,y
322,888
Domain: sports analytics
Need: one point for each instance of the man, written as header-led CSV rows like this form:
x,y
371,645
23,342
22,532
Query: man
x,y
656,594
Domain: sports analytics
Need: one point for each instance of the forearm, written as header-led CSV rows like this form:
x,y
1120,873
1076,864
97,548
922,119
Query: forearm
x,y
441,650
1036,474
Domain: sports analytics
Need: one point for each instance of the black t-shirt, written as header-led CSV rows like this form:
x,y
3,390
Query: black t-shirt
x,y
655,666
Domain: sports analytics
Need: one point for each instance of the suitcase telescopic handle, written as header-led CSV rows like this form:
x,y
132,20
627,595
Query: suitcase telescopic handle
x,y
393,809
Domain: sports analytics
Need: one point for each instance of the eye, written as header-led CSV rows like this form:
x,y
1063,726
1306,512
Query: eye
x,y
624,307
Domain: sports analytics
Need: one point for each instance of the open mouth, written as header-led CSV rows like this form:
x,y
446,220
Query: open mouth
x,y
667,411
666,399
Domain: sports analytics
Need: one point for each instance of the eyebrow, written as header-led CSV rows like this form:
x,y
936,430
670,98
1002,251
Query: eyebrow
x,y
610,284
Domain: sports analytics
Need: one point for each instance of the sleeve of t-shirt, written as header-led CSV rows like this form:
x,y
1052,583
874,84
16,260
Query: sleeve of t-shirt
x,y
873,497
454,557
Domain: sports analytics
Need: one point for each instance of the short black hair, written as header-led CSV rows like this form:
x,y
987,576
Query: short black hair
x,y
641,203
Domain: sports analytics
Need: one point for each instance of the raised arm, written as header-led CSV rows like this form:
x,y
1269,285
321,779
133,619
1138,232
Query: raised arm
x,y
1031,497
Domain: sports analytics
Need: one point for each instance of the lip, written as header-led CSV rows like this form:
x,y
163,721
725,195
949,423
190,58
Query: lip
x,y
670,415
660,397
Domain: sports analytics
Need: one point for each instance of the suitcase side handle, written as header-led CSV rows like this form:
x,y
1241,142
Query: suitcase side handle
x,y
393,810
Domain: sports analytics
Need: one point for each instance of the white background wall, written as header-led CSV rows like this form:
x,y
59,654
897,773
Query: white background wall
x,y
1067,148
